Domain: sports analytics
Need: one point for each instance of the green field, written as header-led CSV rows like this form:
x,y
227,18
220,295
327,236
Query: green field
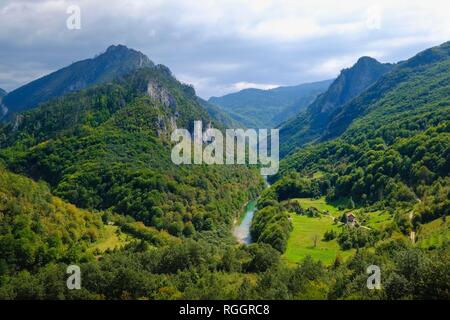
x,y
433,233
305,229
375,219
110,239
301,241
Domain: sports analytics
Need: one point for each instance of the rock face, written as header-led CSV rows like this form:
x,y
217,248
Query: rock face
x,y
309,125
116,61
161,95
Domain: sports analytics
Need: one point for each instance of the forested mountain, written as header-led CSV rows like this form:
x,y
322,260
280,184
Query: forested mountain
x,y
108,147
309,125
384,182
400,87
219,115
394,155
117,60
257,108
2,108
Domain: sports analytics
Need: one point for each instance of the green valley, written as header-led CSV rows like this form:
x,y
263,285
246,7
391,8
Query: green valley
x,y
87,178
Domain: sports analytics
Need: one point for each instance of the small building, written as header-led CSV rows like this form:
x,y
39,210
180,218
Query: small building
x,y
351,219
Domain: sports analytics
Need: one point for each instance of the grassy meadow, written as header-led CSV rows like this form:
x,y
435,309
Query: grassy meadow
x,y
307,236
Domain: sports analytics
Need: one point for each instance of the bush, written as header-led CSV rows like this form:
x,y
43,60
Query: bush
x,y
329,235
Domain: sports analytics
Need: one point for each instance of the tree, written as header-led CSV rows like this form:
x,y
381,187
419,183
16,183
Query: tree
x,y
315,238
329,235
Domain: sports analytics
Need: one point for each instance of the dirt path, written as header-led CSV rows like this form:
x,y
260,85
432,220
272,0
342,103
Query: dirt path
x,y
412,234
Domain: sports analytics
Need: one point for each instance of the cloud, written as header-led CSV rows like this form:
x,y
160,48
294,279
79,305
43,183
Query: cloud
x,y
329,68
220,45
247,85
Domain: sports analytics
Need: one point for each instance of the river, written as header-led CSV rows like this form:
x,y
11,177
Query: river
x,y
242,231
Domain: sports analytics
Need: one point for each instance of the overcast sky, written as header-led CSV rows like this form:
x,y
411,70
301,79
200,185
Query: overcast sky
x,y
220,46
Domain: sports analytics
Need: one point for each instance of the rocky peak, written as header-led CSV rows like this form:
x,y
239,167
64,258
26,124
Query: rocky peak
x,y
116,61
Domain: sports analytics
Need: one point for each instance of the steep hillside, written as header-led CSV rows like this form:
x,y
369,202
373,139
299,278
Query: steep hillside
x,y
117,60
3,109
268,108
108,147
309,125
410,84
396,153
37,228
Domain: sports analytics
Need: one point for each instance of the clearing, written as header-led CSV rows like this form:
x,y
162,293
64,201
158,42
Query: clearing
x,y
308,230
112,238
433,234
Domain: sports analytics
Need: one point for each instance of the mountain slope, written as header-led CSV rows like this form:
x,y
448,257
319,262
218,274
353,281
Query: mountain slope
x,y
3,109
396,150
117,60
310,124
108,147
219,115
396,89
38,228
267,108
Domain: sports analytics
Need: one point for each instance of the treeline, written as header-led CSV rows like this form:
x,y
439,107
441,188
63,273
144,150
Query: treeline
x,y
294,185
198,270
394,176
271,225
150,235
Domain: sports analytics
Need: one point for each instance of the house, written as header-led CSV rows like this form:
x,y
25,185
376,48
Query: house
x,y
351,219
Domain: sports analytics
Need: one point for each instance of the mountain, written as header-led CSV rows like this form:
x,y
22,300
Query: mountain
x,y
3,109
267,108
108,147
219,115
116,61
309,125
393,142
391,86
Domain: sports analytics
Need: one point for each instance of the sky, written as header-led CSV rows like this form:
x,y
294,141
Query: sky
x,y
219,46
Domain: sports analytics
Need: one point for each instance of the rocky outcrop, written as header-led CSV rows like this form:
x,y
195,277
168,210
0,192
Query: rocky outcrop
x,y
161,95
310,125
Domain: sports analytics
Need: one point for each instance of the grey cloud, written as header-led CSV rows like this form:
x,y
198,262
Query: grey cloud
x,y
211,45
